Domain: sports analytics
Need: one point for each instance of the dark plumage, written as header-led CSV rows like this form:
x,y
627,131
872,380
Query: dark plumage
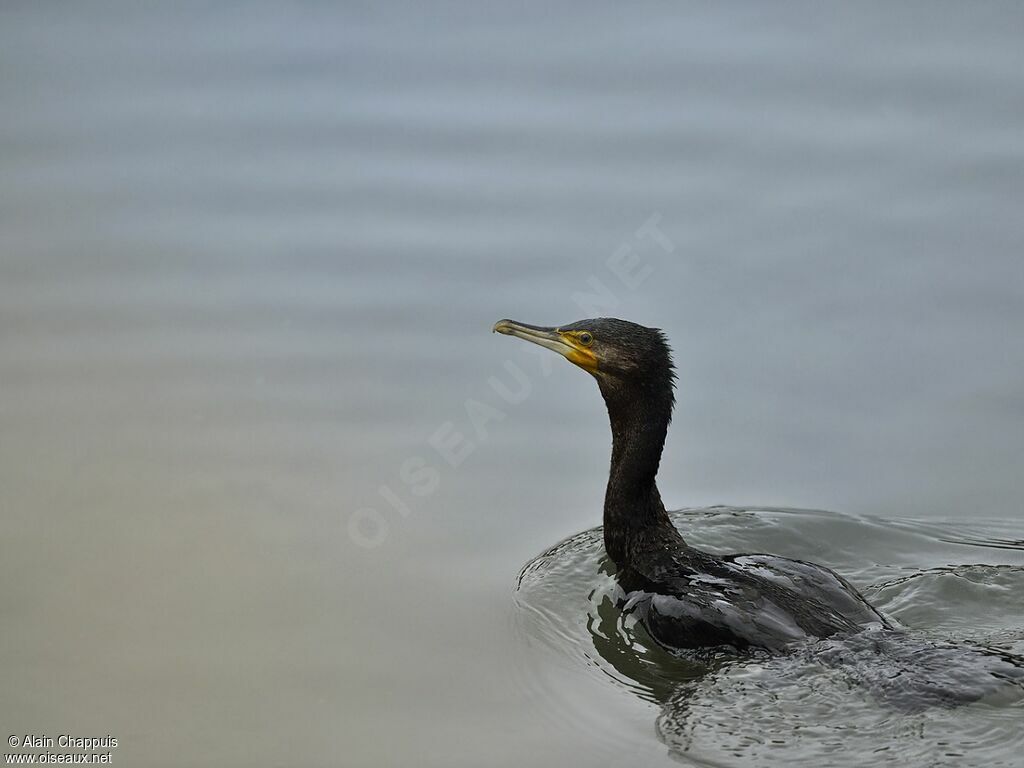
x,y
686,598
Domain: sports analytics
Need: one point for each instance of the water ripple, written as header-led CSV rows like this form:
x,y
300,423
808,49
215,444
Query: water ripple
x,y
946,691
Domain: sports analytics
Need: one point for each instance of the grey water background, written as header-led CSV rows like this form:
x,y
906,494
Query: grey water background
x,y
250,255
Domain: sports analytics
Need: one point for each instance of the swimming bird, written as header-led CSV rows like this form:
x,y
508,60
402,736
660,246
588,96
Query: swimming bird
x,y
685,598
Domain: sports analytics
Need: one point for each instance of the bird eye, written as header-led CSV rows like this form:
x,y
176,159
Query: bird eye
x,y
585,338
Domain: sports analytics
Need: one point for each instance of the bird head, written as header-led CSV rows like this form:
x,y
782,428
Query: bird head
x,y
618,353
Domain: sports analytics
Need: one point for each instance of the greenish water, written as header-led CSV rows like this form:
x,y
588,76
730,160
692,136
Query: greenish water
x,y
894,696
250,255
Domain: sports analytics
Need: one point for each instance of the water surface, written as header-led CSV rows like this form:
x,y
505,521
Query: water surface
x,y
946,687
249,259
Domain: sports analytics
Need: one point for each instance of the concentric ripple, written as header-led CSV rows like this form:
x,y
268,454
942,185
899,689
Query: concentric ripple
x,y
949,690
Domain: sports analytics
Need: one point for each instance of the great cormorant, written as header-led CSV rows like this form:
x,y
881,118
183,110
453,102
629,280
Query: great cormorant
x,y
686,598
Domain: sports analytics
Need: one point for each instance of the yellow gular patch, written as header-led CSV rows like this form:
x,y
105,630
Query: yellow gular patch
x,y
584,358
580,355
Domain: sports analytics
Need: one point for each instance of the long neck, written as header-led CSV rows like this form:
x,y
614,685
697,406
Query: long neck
x,y
633,510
